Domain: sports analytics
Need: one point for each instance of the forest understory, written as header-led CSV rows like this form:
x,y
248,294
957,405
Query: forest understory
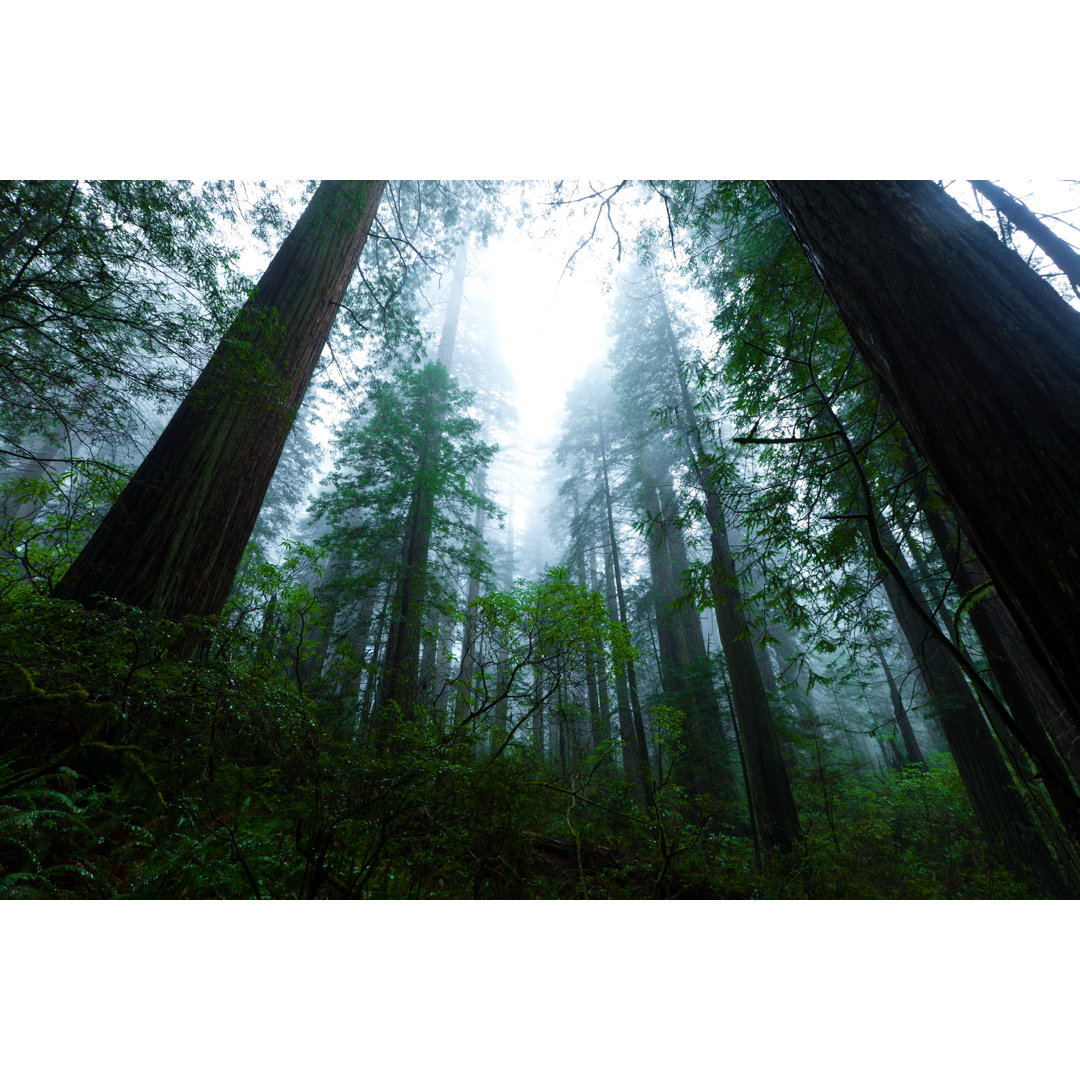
x,y
779,606
163,778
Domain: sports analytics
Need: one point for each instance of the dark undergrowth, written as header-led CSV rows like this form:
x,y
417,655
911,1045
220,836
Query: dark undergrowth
x,y
126,772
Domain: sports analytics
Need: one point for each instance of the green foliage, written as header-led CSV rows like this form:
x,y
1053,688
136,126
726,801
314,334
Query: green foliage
x,y
222,758
49,518
909,835
104,287
127,771
537,634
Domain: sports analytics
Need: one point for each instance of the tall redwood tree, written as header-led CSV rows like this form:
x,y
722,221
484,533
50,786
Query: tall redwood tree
x,y
980,359
173,540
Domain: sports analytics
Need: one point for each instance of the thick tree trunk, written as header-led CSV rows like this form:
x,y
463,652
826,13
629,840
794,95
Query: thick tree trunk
x,y
978,357
173,540
706,769
774,804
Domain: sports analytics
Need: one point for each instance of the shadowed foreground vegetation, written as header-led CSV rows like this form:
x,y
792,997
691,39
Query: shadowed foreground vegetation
x,y
141,776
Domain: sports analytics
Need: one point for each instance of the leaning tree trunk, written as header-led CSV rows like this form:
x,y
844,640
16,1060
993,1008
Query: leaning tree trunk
x,y
991,622
173,539
978,357
1063,253
998,807
912,752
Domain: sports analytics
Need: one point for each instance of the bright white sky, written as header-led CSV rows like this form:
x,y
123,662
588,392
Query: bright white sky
x,y
552,327
552,324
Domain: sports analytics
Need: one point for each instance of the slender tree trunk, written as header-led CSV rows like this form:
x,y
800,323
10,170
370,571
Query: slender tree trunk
x,y
538,714
363,638
434,662
307,663
173,540
468,646
448,338
604,731
1063,253
631,765
502,663
689,618
997,803
596,728
641,746
912,753
774,805
428,649
398,694
977,356
38,463
560,722
401,679
375,669
994,628
1034,710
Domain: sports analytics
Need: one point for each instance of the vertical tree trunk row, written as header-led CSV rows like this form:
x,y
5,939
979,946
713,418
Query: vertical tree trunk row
x,y
640,745
774,805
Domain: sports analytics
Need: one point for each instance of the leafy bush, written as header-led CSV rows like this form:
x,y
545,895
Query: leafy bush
x,y
129,770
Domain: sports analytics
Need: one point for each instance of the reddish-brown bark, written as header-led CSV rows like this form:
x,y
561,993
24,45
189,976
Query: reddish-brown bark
x,y
173,540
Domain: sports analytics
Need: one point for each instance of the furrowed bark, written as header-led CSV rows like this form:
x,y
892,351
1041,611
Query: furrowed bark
x,y
172,541
978,357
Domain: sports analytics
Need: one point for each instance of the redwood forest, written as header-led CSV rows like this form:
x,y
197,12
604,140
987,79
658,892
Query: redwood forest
x,y
630,540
